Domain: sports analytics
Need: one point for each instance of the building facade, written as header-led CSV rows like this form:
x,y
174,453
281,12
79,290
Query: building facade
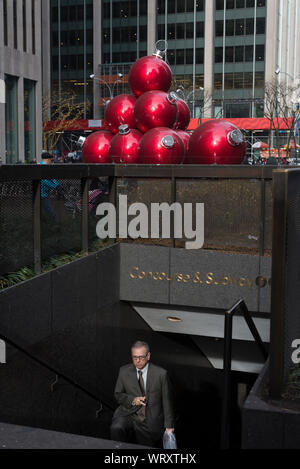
x,y
222,52
20,80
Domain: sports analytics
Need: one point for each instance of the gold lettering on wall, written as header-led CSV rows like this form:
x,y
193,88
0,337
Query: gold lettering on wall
x,y
197,278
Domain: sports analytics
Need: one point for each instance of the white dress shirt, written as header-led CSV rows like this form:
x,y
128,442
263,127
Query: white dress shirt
x,y
144,374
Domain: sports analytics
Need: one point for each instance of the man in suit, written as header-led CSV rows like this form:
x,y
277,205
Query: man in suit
x,y
144,397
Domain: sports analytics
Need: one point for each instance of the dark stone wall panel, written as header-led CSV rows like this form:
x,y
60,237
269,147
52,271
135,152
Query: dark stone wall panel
x,y
108,275
25,311
145,264
73,292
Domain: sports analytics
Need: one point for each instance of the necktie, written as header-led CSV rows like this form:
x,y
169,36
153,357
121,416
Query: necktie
x,y
141,413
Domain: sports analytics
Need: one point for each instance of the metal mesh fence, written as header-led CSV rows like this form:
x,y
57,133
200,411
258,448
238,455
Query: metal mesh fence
x,y
232,211
98,193
16,225
146,191
238,211
61,218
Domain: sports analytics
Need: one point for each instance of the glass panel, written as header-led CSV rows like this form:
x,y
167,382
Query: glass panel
x,y
11,119
29,120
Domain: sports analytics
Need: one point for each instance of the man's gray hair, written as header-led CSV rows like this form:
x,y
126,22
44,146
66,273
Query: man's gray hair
x,y
139,344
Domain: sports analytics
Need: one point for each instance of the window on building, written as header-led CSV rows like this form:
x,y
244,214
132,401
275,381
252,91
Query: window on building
x,y
200,5
218,54
248,80
189,56
260,53
200,29
180,31
229,27
189,30
5,22
180,6
160,7
190,6
218,81
160,31
29,120
239,3
240,27
171,6
24,26
180,56
200,56
33,25
239,110
238,80
231,4
249,26
239,54
219,25
171,31
260,25
229,54
11,119
248,53
15,23
171,56
259,79
143,7
228,81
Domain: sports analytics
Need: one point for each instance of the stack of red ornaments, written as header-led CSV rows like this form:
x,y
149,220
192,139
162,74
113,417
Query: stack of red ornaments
x,y
149,127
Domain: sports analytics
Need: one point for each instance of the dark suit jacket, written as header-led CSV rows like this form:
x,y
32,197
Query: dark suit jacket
x,y
159,411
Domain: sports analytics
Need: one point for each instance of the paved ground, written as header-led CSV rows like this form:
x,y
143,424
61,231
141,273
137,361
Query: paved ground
x,y
20,437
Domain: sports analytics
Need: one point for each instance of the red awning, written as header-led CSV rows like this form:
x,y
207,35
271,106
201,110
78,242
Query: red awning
x,y
249,123
246,124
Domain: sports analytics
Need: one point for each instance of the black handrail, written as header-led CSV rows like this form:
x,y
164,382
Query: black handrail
x,y
240,307
57,373
78,171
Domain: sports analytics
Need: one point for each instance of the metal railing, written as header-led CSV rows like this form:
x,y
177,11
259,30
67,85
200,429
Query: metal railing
x,y
57,374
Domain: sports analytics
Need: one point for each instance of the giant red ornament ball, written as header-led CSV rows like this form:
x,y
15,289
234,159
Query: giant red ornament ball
x,y
149,73
183,116
216,142
96,147
161,146
125,145
120,111
155,109
185,136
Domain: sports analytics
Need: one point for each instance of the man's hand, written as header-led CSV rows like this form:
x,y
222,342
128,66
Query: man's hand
x,y
170,430
139,401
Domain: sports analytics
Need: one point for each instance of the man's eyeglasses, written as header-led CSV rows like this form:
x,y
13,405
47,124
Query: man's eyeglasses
x,y
141,357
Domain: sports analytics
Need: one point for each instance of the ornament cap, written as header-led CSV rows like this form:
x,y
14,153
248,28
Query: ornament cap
x,y
235,137
81,141
168,142
172,97
161,48
124,129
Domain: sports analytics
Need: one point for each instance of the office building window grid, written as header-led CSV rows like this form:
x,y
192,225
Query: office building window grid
x,y
124,30
239,55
